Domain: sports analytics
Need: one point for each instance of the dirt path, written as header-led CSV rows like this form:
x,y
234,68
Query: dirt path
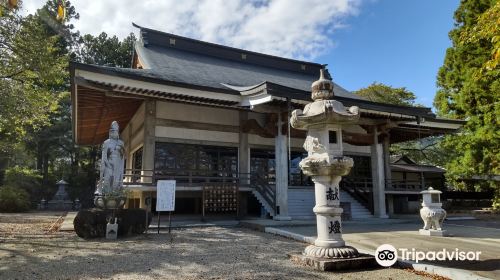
x,y
28,251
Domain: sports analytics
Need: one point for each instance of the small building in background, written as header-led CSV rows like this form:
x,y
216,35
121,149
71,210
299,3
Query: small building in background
x,y
408,179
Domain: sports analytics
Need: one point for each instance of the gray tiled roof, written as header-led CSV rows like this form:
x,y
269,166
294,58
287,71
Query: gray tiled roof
x,y
189,67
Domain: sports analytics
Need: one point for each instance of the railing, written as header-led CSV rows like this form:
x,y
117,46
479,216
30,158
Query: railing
x,y
266,190
299,179
360,189
138,176
199,178
184,177
404,185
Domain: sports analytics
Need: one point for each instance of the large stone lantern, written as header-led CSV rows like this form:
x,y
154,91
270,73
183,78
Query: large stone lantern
x,y
323,119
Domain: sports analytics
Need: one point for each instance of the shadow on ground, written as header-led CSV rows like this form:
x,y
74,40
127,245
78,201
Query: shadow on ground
x,y
201,253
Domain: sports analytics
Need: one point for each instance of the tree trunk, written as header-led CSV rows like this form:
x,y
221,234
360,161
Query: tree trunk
x,y
45,174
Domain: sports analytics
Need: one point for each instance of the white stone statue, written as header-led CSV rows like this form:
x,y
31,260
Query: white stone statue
x,y
112,163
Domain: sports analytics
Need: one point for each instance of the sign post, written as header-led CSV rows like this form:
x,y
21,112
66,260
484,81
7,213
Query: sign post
x,y
165,199
148,206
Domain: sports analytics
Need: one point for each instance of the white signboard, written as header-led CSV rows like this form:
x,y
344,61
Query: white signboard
x,y
165,195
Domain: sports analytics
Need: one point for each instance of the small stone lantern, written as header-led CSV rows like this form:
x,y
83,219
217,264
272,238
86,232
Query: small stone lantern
x,y
61,200
432,214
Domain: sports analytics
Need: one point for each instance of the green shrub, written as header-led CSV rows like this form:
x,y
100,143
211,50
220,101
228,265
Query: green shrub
x,y
26,179
22,177
13,199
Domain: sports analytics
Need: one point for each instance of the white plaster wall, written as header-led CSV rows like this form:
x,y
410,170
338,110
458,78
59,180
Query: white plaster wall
x,y
124,135
351,149
254,139
196,134
138,118
193,113
136,121
137,140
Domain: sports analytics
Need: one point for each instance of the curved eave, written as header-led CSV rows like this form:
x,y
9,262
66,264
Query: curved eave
x,y
121,86
99,97
280,92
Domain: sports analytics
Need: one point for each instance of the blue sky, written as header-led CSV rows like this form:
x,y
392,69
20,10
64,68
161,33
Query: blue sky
x,y
399,43
396,42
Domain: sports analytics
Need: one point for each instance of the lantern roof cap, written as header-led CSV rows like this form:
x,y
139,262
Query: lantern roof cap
x,y
430,190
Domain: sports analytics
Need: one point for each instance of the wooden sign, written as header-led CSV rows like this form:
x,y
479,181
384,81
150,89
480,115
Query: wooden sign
x,y
165,195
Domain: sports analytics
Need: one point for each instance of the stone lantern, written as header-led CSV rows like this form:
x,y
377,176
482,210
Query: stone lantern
x,y
432,214
61,200
323,119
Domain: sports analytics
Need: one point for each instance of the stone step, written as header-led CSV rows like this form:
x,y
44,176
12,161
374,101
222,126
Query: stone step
x,y
263,202
301,202
360,210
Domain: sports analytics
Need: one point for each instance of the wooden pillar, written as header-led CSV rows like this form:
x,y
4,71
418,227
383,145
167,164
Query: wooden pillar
x,y
387,159
281,162
142,200
148,149
129,146
388,173
390,204
244,148
378,181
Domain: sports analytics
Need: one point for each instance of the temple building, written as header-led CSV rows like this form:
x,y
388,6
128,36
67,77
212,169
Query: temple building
x,y
215,119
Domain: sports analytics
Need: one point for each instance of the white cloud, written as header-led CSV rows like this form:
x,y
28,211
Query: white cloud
x,y
292,28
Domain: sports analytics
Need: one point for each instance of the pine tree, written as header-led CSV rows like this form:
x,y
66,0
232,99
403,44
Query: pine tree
x,y
469,89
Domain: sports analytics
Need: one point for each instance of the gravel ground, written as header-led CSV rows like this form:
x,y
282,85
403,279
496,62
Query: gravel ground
x,y
29,249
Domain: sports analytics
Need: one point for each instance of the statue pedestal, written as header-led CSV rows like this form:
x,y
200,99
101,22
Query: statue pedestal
x,y
360,262
433,232
93,223
111,202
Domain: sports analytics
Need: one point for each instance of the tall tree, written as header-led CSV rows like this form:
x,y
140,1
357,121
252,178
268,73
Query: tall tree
x,y
104,50
33,72
379,92
469,88
44,142
34,84
428,151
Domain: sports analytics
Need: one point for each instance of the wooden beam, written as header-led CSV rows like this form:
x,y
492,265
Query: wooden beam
x,y
85,83
197,125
